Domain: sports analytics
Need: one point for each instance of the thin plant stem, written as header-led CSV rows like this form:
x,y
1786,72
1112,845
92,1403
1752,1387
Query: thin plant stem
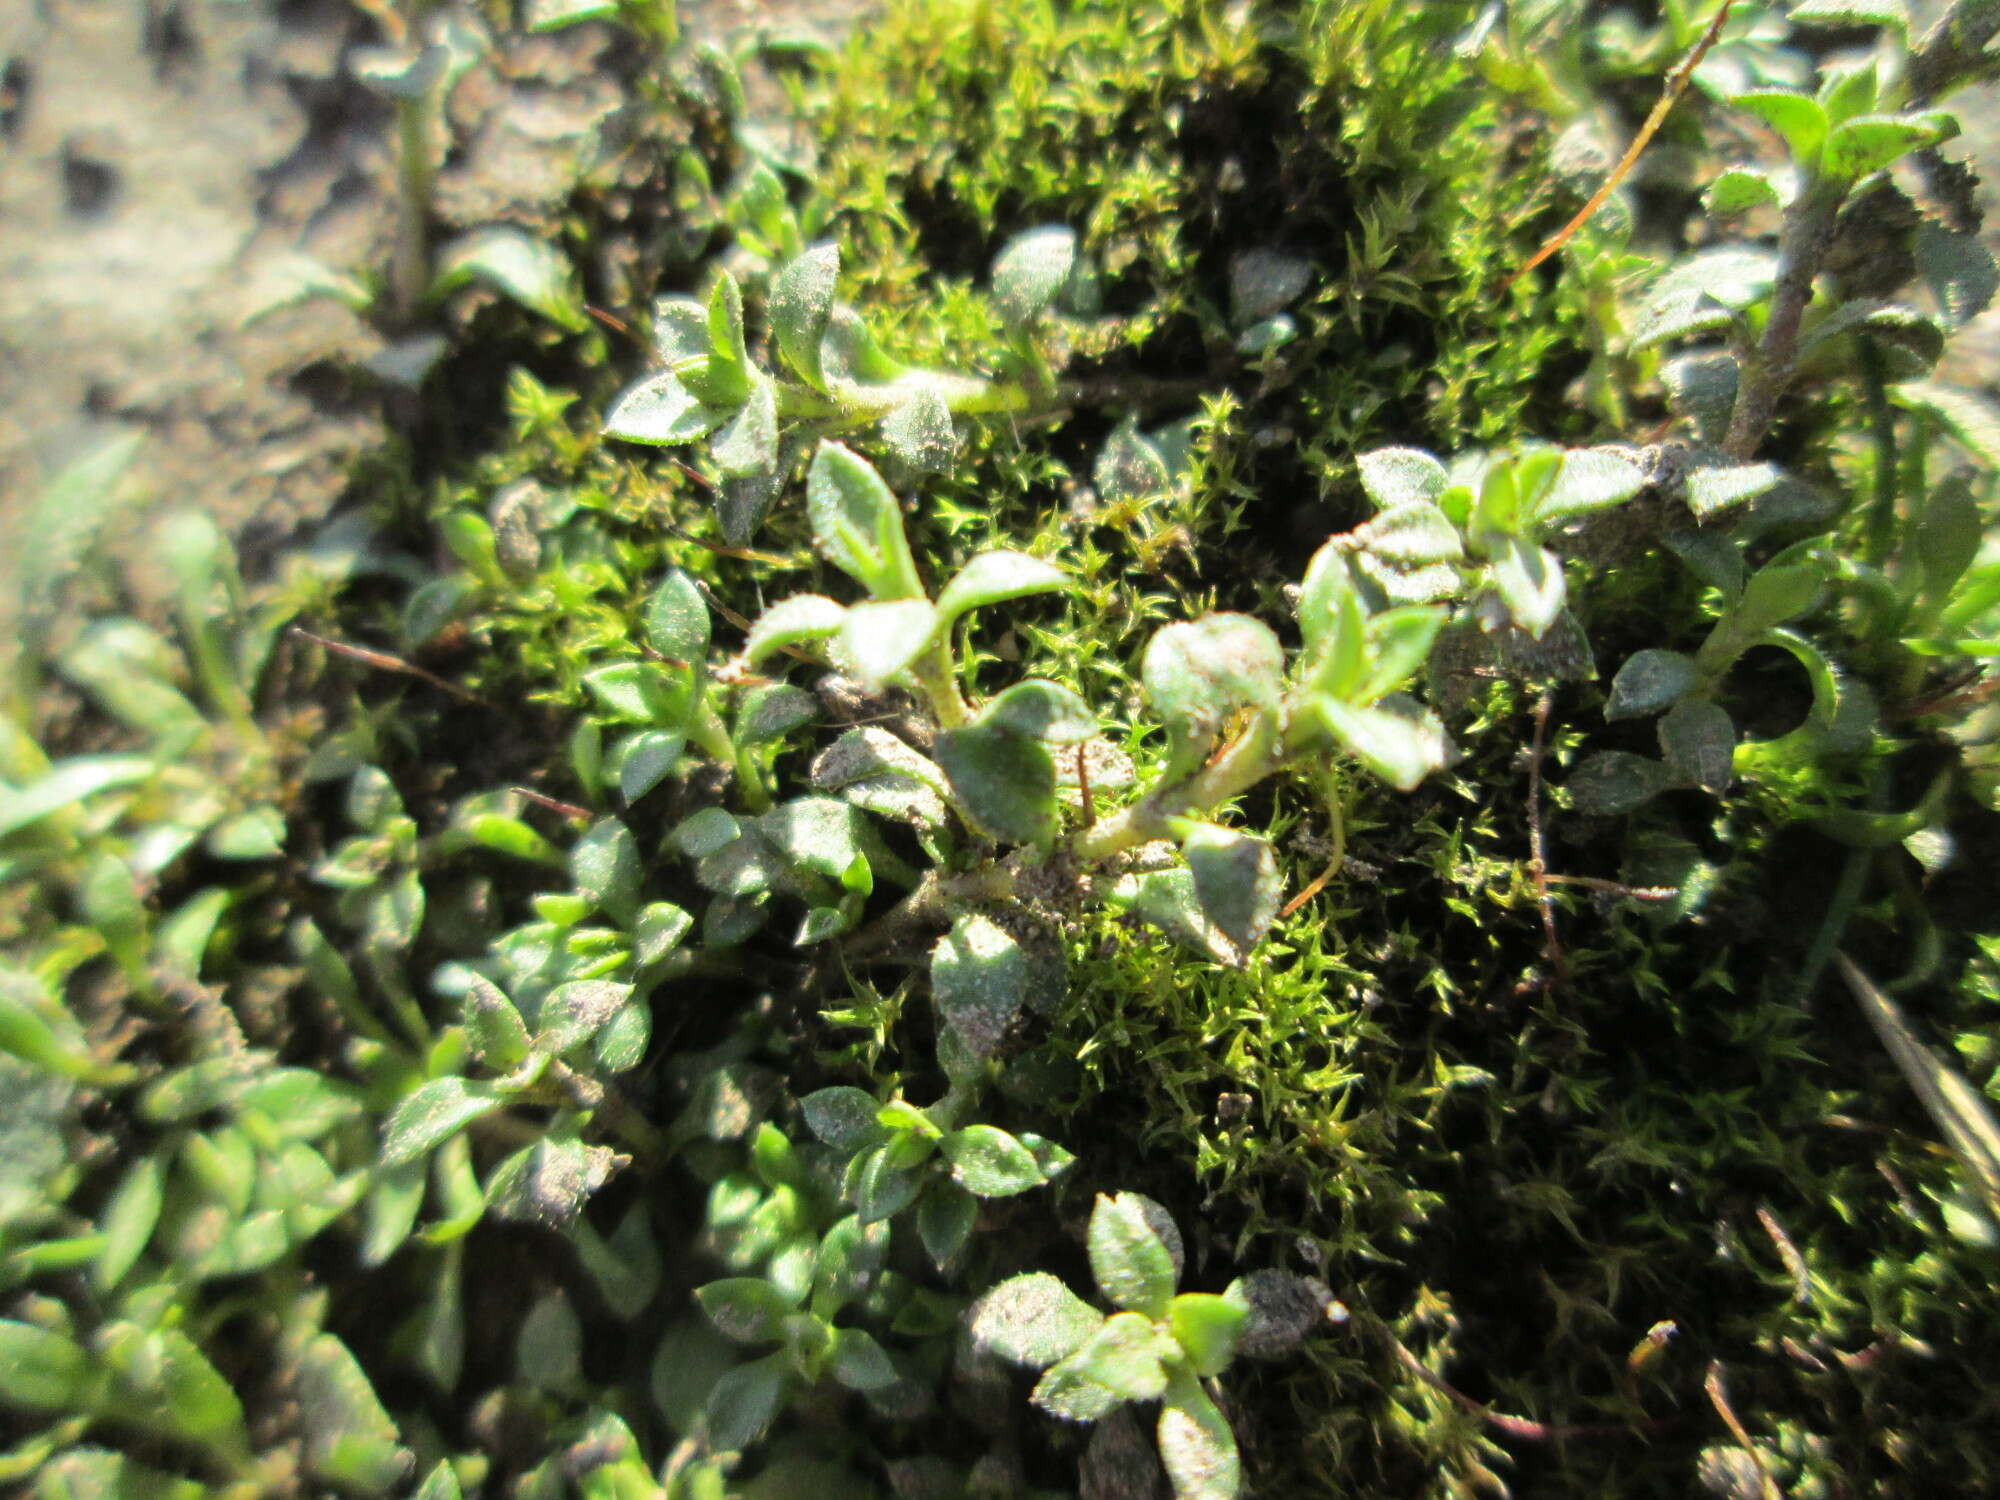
x,y
1253,756
1767,373
1670,93
1880,531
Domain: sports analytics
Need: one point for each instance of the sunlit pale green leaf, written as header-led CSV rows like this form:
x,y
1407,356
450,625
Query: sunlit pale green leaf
x,y
800,304
1033,1320
1030,272
1132,1264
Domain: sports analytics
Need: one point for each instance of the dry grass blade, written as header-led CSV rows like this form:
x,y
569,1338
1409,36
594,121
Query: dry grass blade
x,y
1961,1114
1670,93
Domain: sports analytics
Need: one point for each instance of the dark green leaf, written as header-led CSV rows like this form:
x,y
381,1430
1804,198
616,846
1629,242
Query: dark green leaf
x,y
349,1439
979,979
677,623
1776,593
1004,781
646,759
919,432
843,1117
391,1210
1649,682
1042,711
659,930
604,865
882,1188
1616,781
773,711
744,1402
1947,539
1959,270
859,1363
746,1309
1236,881
1702,387
1698,740
945,1216
572,1013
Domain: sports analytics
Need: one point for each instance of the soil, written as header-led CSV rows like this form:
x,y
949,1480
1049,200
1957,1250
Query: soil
x,y
173,174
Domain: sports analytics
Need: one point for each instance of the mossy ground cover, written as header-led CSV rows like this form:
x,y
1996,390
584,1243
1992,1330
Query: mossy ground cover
x,y
406,1018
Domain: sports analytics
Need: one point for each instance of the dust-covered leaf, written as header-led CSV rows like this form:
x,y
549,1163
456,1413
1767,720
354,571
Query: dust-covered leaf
x,y
1698,740
1031,270
1196,1445
800,303
858,525
1032,1320
989,1163
792,622
1651,681
1005,781
435,1112
979,981
880,637
661,411
919,431
1236,881
1616,781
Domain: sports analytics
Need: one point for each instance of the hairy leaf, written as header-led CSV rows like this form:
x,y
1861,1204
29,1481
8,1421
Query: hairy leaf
x,y
979,981
1032,1320
801,302
1649,682
1131,1262
1031,270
